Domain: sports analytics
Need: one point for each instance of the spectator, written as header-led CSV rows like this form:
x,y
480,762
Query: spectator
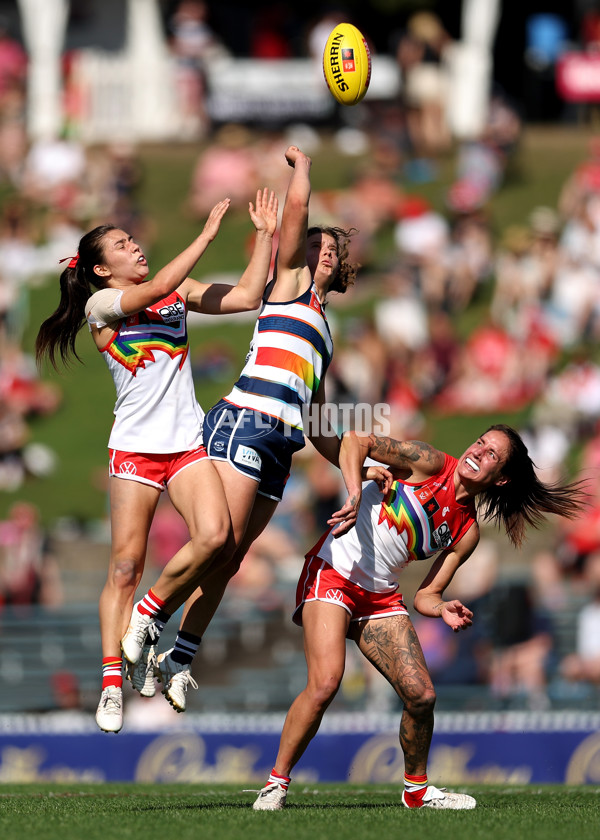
x,y
325,487
491,374
227,167
13,58
13,437
361,362
29,572
13,130
194,46
420,58
583,664
469,257
422,237
54,172
522,644
435,364
320,29
584,181
270,32
66,692
482,162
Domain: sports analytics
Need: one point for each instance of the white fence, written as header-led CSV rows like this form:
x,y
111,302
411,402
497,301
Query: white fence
x,y
113,98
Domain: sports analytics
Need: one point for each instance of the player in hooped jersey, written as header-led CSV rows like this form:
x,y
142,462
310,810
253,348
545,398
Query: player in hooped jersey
x,y
253,432
139,326
349,585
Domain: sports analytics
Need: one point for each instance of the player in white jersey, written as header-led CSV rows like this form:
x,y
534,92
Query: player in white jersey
x,y
252,434
348,593
139,325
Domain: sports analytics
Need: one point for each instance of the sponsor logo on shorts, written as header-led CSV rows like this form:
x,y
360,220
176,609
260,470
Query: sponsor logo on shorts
x,y
335,595
219,446
248,457
128,468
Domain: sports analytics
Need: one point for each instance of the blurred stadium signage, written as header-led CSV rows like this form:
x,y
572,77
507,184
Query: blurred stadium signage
x,y
503,748
250,90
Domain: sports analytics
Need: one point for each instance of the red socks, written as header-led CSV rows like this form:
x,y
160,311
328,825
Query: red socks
x,y
150,604
284,781
111,672
414,790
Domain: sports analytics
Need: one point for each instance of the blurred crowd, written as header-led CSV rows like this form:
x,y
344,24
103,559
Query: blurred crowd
x,y
534,348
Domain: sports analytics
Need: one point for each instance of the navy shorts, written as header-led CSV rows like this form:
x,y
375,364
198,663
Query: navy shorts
x,y
253,443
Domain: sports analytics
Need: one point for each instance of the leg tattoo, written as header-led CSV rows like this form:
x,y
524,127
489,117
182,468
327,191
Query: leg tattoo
x,y
392,646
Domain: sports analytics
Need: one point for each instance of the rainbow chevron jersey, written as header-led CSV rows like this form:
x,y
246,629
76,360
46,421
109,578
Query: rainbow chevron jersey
x,y
412,522
156,410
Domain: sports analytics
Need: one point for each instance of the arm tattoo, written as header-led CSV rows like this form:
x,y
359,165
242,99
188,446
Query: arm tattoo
x,y
400,453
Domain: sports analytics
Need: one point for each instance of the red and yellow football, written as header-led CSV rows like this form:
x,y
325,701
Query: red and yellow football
x,y
347,64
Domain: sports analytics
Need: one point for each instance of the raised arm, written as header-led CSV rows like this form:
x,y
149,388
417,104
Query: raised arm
x,y
220,298
429,600
293,274
169,278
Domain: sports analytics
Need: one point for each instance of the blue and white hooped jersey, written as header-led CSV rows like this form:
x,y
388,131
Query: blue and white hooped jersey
x,y
289,355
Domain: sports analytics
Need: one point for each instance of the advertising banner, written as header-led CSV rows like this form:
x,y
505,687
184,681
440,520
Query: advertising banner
x,y
497,750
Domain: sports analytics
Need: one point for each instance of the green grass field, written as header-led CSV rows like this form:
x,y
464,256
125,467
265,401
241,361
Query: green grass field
x,y
343,812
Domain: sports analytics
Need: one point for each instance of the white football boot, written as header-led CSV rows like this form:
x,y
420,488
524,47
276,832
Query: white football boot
x,y
175,677
271,798
134,639
141,675
442,798
109,714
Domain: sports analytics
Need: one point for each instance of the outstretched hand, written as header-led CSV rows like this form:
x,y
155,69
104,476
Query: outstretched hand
x,y
345,518
213,223
457,616
264,213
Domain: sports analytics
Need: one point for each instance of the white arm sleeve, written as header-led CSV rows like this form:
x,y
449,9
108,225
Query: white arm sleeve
x,y
104,307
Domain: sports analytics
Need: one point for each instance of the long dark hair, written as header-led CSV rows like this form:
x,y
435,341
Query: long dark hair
x,y
346,273
524,500
57,334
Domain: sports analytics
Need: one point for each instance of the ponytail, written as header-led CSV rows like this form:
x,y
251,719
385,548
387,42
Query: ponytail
x,y
57,335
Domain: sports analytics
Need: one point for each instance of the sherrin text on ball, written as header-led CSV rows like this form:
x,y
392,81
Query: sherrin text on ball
x,y
347,64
